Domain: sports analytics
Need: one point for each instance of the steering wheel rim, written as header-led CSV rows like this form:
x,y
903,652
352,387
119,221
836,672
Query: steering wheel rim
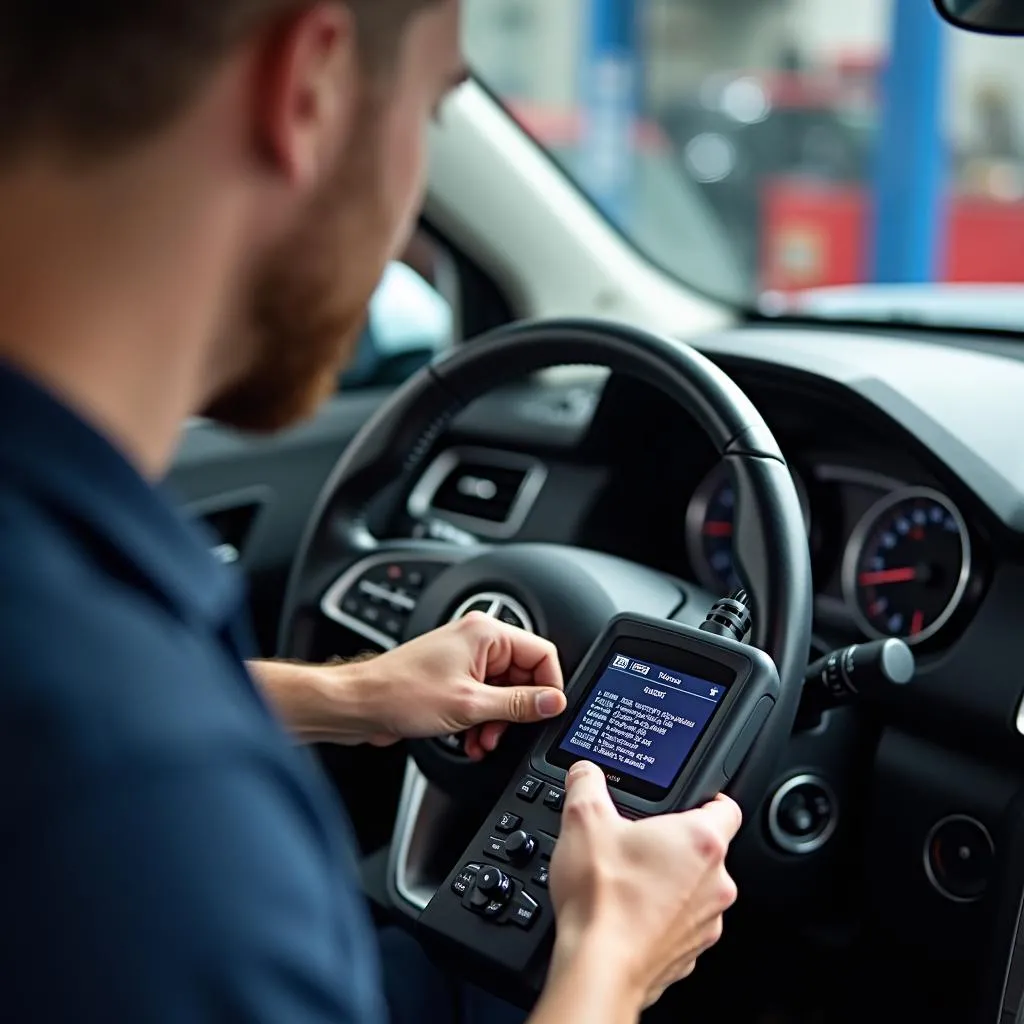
x,y
770,543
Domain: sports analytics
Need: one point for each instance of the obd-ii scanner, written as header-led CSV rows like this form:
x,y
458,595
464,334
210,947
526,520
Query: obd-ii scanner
x,y
668,712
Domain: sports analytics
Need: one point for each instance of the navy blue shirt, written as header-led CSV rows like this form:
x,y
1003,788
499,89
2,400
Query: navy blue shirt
x,y
166,854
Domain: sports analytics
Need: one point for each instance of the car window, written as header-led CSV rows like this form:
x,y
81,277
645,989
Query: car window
x,y
856,159
409,322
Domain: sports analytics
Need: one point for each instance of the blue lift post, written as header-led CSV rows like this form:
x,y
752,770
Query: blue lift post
x,y
910,166
609,83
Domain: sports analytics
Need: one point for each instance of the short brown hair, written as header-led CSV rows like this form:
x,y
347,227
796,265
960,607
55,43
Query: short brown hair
x,y
92,76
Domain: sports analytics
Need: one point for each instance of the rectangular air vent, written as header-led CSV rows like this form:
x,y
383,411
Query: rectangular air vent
x,y
489,493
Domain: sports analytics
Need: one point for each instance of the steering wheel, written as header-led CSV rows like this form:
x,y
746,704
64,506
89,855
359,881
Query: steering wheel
x,y
565,593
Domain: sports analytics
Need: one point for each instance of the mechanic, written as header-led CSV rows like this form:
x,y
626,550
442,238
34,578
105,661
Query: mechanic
x,y
197,201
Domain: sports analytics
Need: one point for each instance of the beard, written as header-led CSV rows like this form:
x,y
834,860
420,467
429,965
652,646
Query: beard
x,y
310,299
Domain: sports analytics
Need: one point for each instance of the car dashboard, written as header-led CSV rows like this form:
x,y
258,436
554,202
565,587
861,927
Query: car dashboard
x,y
887,818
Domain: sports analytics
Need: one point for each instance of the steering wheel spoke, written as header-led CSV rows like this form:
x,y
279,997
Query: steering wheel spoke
x,y
377,595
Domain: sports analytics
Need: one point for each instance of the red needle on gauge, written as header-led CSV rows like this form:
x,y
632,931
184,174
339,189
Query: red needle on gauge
x,y
885,576
717,528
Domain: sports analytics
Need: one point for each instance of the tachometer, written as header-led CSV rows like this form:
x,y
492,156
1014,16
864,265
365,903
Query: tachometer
x,y
709,527
907,565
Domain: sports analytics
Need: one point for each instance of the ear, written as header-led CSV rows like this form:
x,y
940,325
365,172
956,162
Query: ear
x,y
308,92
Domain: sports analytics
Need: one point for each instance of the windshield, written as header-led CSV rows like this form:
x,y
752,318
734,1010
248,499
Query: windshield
x,y
853,159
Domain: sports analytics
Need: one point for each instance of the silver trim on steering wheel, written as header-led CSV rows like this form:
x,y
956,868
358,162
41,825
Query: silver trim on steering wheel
x,y
424,808
495,604
422,811
331,602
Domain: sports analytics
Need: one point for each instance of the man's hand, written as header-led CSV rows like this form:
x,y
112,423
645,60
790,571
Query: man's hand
x,y
639,899
475,676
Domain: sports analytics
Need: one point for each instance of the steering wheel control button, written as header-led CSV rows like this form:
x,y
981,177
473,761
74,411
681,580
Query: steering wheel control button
x,y
464,880
493,909
495,847
493,883
958,858
541,877
528,789
554,798
376,596
802,814
520,847
524,910
508,822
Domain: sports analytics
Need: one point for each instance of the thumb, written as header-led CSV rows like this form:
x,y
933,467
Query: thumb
x,y
585,784
519,703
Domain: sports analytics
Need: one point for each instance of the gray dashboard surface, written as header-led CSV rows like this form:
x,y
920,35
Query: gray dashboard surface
x,y
965,405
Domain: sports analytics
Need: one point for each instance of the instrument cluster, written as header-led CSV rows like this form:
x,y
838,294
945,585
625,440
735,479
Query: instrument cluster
x,y
891,559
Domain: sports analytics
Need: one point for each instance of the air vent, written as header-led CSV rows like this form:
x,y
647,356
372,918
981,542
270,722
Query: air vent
x,y
489,493
479,490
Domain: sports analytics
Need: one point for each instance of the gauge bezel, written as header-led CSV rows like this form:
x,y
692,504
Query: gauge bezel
x,y
855,548
696,513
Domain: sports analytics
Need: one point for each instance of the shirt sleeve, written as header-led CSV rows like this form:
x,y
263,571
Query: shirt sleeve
x,y
201,894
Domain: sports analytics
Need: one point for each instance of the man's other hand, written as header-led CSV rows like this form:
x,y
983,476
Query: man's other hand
x,y
644,898
473,676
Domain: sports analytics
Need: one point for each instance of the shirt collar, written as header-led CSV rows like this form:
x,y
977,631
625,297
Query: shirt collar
x,y
47,450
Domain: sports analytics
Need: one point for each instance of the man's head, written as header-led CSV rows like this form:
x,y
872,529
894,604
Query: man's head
x,y
307,118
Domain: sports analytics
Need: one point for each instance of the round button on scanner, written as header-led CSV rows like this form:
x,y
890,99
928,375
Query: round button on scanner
x,y
520,847
958,858
493,882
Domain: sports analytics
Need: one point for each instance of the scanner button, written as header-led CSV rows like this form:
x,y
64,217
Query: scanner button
x,y
495,847
541,878
524,910
494,883
554,798
745,740
528,788
508,822
520,847
464,879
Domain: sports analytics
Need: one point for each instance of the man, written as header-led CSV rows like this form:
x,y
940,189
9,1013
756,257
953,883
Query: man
x,y
197,200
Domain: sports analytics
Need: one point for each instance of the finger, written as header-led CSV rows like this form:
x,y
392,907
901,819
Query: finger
x,y
516,704
472,744
586,788
679,969
653,995
507,648
490,735
722,815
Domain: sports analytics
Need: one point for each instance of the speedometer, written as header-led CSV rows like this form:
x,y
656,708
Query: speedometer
x,y
709,528
907,565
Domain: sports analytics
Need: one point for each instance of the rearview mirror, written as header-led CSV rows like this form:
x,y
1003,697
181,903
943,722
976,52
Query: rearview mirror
x,y
995,17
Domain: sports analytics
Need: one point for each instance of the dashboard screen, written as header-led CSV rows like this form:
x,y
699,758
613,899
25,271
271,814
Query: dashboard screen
x,y
643,719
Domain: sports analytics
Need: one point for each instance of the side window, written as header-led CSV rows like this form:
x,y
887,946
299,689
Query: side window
x,y
411,318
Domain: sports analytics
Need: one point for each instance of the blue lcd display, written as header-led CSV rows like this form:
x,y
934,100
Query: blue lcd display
x,y
642,719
